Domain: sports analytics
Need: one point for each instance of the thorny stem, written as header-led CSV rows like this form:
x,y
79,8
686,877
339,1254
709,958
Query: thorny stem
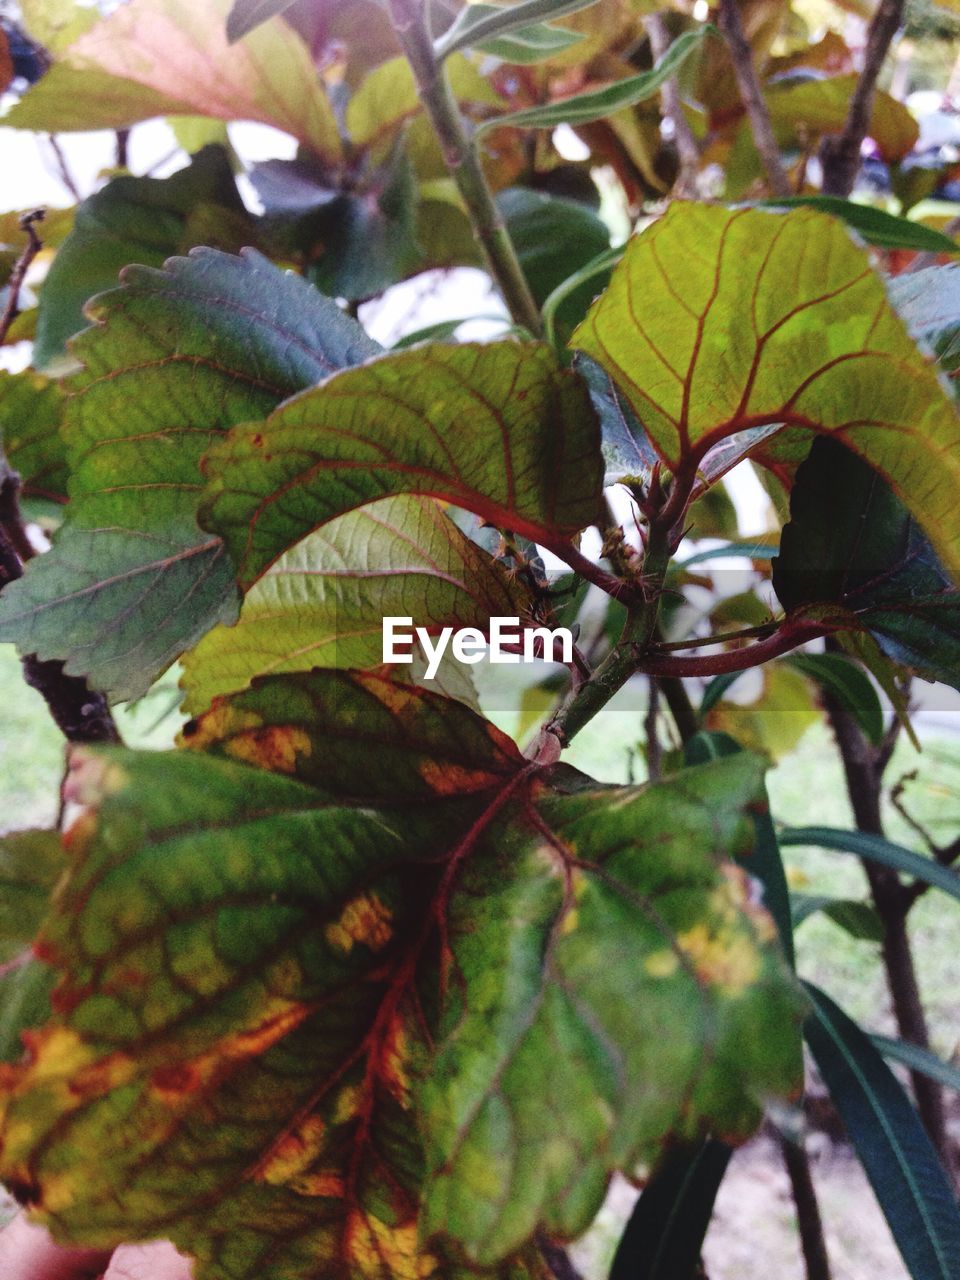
x,y
840,155
746,73
463,162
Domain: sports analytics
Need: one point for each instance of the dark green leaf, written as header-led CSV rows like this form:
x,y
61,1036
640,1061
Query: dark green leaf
x,y
31,863
247,14
751,550
853,553
595,104
875,849
553,238
142,220
903,1169
664,1236
848,683
176,356
627,451
875,225
715,692
398,425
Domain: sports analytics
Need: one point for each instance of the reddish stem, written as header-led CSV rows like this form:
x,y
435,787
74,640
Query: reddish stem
x,y
789,635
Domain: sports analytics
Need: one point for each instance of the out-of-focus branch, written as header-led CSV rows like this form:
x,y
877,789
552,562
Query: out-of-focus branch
x,y
746,73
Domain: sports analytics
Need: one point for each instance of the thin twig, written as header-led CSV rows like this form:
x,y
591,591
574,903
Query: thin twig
x,y
653,745
688,150
840,154
63,169
20,268
752,96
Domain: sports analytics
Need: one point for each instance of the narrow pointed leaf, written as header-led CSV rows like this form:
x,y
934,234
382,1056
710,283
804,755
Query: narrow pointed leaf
x,y
848,683
596,104
929,302
470,424
528,45
664,1235
479,22
859,919
756,327
917,1059
176,357
876,849
885,230
906,1177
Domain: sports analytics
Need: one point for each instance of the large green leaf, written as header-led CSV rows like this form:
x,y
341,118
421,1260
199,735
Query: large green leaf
x,y
470,424
323,603
848,683
255,964
853,554
176,356
142,220
31,407
614,938
719,321
903,1169
171,57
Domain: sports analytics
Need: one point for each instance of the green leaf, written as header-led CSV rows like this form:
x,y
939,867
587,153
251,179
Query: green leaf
x,y
285,944
852,554
477,23
323,602
917,1059
31,863
749,549
885,230
903,1169
636,964
929,302
397,425
553,238
142,220
763,861
627,451
859,919
31,407
176,357
528,45
167,57
597,268
848,683
818,347
247,14
800,108
664,1235
876,849
595,104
